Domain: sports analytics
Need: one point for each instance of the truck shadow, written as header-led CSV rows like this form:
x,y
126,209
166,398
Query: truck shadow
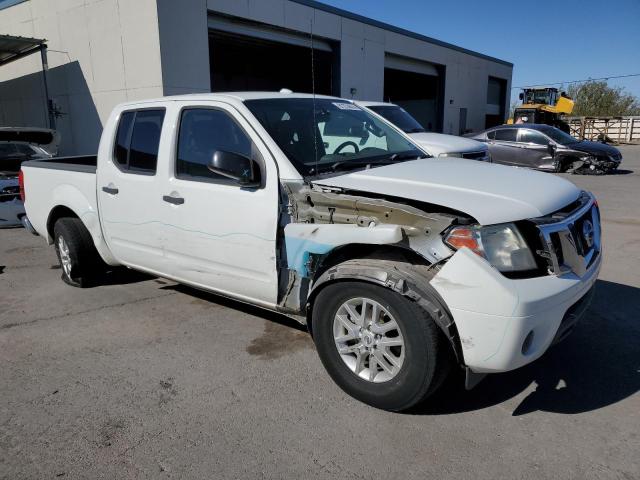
x,y
598,365
208,297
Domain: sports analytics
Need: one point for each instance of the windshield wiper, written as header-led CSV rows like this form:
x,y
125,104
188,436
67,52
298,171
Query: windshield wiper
x,y
352,164
414,155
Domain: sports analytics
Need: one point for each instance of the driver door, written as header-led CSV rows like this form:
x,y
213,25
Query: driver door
x,y
504,146
535,149
219,235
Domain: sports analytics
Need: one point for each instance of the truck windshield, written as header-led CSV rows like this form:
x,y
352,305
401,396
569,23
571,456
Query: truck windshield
x,y
326,135
399,117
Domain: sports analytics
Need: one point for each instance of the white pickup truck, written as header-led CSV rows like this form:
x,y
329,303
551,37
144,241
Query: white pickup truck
x,y
401,265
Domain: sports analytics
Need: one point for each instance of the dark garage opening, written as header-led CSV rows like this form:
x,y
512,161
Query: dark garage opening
x,y
496,99
240,63
418,94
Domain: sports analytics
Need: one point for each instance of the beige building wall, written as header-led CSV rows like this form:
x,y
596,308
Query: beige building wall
x,y
103,52
100,53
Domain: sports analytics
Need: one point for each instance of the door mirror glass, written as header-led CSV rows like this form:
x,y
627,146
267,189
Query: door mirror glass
x,y
239,168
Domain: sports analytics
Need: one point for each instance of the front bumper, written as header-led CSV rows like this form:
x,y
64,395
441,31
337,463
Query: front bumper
x,y
504,324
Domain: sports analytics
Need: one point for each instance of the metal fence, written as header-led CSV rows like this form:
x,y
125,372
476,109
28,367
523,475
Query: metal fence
x,y
618,129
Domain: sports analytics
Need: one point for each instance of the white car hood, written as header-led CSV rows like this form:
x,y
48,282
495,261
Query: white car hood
x,y
437,143
489,193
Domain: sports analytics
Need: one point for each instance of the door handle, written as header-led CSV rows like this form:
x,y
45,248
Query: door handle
x,y
173,200
110,190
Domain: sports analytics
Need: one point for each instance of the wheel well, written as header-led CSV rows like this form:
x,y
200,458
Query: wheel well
x,y
56,214
409,280
373,252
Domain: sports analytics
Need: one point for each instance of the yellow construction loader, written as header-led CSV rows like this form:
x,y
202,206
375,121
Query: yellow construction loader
x,y
543,105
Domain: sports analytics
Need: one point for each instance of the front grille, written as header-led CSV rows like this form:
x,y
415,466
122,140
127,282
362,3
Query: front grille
x,y
10,193
11,189
570,241
481,155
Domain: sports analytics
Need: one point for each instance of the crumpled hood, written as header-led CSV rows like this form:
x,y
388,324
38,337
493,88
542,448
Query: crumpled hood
x,y
489,193
594,148
437,143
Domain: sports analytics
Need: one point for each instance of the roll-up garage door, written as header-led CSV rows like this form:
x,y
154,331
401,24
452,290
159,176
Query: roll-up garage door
x,y
249,56
416,86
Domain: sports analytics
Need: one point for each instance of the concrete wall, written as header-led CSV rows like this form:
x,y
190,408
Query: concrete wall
x,y
184,46
101,53
362,55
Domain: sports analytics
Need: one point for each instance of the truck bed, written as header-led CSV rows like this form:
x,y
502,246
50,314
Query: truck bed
x,y
61,182
80,163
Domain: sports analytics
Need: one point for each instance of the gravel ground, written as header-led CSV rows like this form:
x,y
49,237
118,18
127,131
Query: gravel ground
x,y
142,378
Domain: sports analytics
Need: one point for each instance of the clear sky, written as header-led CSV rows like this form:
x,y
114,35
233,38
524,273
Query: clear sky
x,y
547,41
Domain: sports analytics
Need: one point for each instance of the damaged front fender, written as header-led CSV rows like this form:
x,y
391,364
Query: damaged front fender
x,y
305,239
317,221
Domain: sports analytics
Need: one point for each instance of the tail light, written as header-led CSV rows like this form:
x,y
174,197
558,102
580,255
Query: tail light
x,y
21,184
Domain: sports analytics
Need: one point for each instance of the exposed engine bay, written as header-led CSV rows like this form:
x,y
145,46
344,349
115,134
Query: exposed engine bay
x,y
316,221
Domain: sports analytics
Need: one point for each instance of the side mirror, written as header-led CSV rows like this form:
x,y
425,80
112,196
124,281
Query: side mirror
x,y
243,170
521,96
551,149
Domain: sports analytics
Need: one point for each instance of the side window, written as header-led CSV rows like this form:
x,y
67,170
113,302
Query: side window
x,y
138,140
123,137
7,149
203,131
531,136
24,149
506,135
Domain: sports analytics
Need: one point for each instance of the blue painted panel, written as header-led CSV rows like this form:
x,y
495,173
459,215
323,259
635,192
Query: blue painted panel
x,y
298,250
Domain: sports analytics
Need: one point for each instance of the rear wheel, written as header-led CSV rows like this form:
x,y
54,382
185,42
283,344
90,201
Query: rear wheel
x,y
379,346
79,261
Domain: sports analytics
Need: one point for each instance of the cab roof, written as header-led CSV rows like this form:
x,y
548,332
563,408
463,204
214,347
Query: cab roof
x,y
237,96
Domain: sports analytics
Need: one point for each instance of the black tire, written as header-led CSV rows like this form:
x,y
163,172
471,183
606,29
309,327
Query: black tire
x,y
427,358
86,264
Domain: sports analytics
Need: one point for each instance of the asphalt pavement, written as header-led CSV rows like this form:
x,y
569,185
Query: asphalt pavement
x,y
143,378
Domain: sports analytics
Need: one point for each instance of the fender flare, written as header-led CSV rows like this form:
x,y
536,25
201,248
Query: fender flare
x,y
408,280
73,199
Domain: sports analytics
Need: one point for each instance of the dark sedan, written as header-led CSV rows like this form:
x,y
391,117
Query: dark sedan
x,y
544,147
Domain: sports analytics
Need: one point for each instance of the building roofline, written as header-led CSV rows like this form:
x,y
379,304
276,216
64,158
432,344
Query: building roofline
x,y
386,26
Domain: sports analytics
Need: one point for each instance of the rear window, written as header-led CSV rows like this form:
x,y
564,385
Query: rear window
x,y
7,149
138,140
506,135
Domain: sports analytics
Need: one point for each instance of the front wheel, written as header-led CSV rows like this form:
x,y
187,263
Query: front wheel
x,y
378,346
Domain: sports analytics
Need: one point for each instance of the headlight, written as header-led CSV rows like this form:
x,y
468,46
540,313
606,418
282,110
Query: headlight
x,y
502,245
451,154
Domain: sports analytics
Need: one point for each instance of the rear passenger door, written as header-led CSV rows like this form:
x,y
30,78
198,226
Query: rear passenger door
x,y
129,191
503,145
220,235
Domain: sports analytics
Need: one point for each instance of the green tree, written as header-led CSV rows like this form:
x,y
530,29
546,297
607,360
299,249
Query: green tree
x,y
597,99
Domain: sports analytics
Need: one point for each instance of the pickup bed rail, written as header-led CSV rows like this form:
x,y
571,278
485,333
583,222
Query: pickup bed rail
x,y
80,163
